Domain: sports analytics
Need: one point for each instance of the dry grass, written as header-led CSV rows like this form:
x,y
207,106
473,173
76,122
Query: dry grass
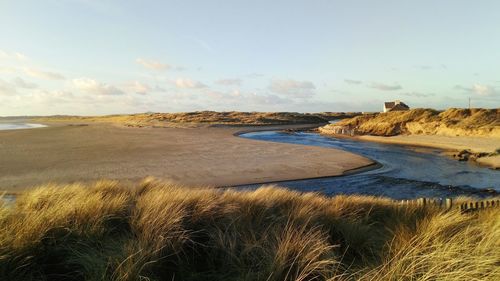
x,y
198,117
160,231
452,122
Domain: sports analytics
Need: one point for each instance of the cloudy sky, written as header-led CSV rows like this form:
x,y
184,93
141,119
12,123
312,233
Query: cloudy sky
x,y
103,56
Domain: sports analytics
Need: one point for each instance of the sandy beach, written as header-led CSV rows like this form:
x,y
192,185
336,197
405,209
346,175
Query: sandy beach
x,y
474,144
204,156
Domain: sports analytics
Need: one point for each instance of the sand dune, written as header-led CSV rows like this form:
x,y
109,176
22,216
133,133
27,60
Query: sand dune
x,y
452,122
475,130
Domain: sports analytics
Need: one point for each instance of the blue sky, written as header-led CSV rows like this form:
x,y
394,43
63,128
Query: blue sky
x,y
102,57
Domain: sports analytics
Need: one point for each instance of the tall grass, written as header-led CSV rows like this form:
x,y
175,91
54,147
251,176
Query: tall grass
x,y
161,231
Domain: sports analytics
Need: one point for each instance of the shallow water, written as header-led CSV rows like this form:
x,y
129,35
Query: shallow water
x,y
407,172
17,126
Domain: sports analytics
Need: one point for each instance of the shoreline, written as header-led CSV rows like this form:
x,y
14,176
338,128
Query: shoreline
x,y
367,168
448,149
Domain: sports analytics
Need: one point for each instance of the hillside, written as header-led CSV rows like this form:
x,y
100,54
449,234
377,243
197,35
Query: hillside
x,y
198,117
452,122
336,115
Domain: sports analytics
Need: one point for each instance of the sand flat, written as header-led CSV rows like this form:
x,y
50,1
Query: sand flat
x,y
194,156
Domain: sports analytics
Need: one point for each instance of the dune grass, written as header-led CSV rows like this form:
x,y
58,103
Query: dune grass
x,y
161,231
451,122
199,117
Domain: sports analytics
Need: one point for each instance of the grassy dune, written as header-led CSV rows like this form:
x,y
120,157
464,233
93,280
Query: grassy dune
x,y
198,117
159,231
451,122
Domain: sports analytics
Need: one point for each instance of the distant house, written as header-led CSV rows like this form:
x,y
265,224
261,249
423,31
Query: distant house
x,y
395,106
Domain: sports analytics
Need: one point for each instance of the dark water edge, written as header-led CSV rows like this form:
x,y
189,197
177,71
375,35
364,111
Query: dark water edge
x,y
406,172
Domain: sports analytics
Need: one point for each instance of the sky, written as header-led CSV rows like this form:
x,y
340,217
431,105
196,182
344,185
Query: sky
x,y
93,57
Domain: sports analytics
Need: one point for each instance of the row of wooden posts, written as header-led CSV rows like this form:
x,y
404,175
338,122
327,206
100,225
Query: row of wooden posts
x,y
449,203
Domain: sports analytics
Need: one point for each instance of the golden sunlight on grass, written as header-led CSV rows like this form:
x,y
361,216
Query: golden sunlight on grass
x,y
451,122
160,231
203,117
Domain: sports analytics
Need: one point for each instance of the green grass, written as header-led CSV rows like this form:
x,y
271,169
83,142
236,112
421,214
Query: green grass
x,y
160,231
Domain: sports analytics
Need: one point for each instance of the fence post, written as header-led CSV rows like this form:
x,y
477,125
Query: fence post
x,y
448,203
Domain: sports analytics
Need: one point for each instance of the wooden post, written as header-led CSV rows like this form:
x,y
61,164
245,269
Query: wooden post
x,y
448,203
482,205
420,201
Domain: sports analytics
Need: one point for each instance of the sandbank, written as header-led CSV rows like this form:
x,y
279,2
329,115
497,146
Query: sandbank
x,y
204,156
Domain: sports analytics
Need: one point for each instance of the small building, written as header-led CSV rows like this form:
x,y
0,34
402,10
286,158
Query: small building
x,y
395,106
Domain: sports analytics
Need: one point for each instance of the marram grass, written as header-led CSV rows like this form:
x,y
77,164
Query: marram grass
x,y
161,231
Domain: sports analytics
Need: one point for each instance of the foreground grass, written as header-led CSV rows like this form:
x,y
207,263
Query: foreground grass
x,y
159,231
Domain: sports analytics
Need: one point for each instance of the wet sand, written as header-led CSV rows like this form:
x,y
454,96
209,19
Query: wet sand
x,y
192,156
474,144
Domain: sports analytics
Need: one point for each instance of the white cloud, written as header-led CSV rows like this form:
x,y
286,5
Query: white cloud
x,y
8,69
480,90
424,67
138,87
51,97
94,87
3,54
236,98
255,75
353,82
21,83
20,56
417,95
293,88
44,74
484,90
185,83
16,55
7,89
385,87
11,89
153,65
229,82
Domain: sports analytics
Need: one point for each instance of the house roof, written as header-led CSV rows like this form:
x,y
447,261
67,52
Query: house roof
x,y
393,104
399,106
389,104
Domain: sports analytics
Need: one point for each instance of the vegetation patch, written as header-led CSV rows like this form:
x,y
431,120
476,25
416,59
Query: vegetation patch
x,y
161,231
198,117
451,122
